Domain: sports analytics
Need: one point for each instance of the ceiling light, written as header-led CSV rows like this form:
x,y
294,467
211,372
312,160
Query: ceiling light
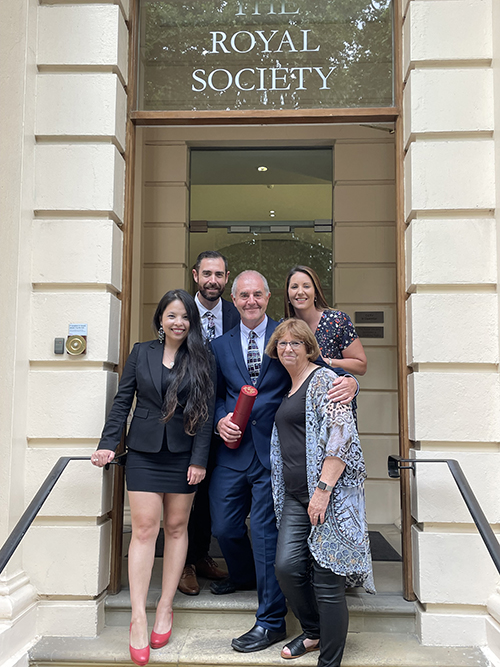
x,y
262,168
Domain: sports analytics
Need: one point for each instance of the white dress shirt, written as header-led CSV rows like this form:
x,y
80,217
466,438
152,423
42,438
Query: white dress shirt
x,y
260,332
216,312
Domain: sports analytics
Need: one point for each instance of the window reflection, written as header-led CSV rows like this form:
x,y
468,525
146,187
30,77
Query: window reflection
x,y
225,54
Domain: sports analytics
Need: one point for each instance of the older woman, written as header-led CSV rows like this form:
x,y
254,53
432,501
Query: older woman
x,y
168,443
317,476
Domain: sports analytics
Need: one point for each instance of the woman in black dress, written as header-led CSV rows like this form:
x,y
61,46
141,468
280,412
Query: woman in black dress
x,y
168,442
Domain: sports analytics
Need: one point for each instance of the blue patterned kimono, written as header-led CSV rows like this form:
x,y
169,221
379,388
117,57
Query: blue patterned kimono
x,y
341,543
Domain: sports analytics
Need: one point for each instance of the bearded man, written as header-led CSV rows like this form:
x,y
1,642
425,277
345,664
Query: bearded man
x,y
211,274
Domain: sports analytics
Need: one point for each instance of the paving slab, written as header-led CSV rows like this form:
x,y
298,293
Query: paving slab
x,y
202,648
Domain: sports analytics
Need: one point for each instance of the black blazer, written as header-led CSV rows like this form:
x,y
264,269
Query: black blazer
x,y
230,316
142,377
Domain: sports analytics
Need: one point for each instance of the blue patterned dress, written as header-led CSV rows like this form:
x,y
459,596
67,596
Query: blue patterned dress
x,y
341,543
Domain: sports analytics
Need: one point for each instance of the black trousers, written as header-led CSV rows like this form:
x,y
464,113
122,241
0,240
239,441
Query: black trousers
x,y
200,520
315,594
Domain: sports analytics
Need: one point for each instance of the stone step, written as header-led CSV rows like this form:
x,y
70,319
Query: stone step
x,y
385,612
367,613
211,648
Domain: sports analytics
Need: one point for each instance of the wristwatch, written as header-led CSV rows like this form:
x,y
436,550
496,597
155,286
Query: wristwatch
x,y
324,487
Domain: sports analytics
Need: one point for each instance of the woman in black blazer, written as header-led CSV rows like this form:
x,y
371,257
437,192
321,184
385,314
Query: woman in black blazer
x,y
168,442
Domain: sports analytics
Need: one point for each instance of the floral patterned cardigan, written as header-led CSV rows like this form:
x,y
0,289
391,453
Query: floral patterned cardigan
x,y
341,543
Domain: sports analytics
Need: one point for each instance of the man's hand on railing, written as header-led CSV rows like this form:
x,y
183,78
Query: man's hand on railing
x,y
101,457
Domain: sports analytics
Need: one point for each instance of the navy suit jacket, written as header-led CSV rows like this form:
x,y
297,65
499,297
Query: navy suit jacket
x,y
272,384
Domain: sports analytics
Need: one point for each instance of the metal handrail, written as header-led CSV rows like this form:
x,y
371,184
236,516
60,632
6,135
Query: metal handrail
x,y
489,538
35,505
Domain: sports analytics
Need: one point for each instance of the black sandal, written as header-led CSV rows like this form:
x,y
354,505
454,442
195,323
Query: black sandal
x,y
297,648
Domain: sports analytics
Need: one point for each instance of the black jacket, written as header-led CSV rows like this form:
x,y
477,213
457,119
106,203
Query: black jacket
x,y
142,377
230,316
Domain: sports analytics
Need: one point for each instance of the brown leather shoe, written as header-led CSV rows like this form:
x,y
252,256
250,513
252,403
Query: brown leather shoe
x,y
188,583
208,568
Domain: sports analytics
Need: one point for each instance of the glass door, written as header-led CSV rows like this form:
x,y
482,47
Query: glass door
x,y
264,209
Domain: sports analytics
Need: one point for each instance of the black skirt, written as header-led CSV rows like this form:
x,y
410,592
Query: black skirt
x,y
160,472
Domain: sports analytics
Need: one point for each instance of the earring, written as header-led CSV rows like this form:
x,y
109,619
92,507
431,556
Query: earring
x,y
161,335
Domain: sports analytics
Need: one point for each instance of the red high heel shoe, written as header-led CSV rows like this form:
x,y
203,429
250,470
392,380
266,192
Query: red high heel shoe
x,y
139,655
157,640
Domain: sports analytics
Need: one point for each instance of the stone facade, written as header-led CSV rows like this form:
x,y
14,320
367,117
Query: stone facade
x,y
64,76
451,189
64,69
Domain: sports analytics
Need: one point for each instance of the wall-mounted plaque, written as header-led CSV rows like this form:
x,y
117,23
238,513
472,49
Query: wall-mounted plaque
x,y
370,332
265,54
369,317
78,330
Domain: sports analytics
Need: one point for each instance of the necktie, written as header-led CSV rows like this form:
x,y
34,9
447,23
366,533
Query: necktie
x,y
210,333
253,357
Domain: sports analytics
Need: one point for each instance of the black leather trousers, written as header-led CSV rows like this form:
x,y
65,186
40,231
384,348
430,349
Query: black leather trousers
x,y
315,594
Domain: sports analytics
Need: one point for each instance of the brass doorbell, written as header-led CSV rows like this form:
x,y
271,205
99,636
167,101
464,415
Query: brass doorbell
x,y
76,343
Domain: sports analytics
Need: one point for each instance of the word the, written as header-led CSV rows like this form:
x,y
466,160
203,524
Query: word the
x,y
257,5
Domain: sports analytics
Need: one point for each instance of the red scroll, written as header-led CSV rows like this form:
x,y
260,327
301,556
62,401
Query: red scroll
x,y
242,411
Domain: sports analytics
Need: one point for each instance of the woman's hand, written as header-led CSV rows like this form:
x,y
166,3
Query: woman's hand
x,y
317,506
196,474
101,457
228,431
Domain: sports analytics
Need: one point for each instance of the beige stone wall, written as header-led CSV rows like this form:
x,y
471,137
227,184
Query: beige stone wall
x,y
365,280
63,173
452,309
165,221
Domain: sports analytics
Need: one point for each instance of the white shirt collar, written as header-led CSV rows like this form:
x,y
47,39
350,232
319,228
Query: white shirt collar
x,y
216,310
260,330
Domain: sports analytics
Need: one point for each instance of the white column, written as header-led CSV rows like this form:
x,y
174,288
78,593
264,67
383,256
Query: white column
x,y
493,620
452,310
66,259
17,81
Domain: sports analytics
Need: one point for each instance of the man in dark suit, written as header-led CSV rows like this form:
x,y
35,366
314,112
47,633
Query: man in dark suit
x,y
241,480
217,317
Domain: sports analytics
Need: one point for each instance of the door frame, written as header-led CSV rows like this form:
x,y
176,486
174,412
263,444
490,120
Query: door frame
x,y
272,117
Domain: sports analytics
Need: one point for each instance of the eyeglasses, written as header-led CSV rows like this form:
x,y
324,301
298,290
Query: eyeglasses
x,y
294,344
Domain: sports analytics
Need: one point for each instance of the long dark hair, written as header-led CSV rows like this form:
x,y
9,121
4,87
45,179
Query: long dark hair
x,y
319,295
192,359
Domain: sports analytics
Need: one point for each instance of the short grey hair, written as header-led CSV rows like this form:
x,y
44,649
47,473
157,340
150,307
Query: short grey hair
x,y
255,273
